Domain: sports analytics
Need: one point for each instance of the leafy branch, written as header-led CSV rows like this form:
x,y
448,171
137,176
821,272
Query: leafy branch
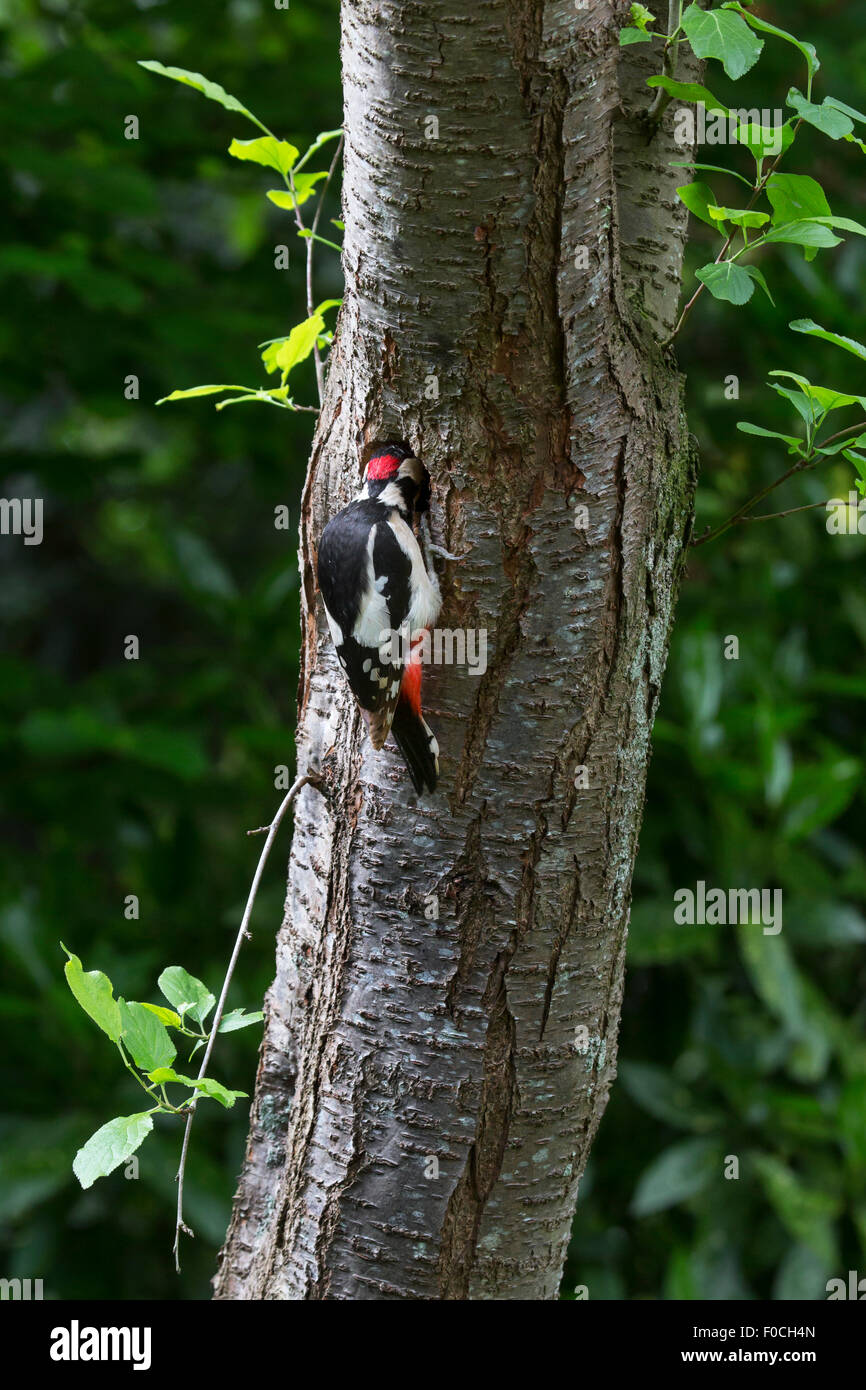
x,y
814,405
148,1051
140,1033
311,336
782,208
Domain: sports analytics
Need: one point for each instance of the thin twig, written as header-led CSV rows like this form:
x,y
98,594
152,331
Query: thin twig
x,y
713,532
806,461
301,225
774,516
851,429
317,357
310,779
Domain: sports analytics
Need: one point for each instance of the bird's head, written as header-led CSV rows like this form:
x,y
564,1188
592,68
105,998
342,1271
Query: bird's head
x,y
394,476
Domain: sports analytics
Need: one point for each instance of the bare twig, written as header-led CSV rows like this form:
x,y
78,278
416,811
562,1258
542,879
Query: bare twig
x,y
301,225
740,514
320,375
310,779
774,516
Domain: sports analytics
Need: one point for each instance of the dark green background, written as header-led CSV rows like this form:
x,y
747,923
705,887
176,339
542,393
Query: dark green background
x,y
155,257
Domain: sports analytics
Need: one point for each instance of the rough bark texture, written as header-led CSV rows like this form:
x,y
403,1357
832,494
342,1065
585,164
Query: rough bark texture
x,y
485,1040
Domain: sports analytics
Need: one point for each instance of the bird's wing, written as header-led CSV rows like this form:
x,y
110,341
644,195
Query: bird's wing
x,y
362,613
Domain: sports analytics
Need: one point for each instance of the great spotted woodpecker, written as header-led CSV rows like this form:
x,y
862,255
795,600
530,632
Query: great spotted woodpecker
x,y
376,581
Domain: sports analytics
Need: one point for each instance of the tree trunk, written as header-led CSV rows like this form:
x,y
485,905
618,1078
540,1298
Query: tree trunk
x,y
428,1088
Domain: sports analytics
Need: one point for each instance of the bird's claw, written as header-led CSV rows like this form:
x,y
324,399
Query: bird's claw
x,y
446,554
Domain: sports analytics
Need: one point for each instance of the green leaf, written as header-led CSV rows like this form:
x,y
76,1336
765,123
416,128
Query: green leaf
x,y
741,217
95,994
796,197
236,1018
826,117
145,1037
680,1172
689,91
845,224
198,391
323,241
817,400
212,90
657,1092
759,279
208,1087
747,428
629,35
764,140
821,793
186,993
304,185
830,450
774,976
205,1087
814,330
160,1076
859,462
804,233
806,1212
285,353
801,403
824,398
266,150
790,998
709,169
320,140
723,35
727,281
166,1016
699,198
110,1146
848,110
641,16
807,49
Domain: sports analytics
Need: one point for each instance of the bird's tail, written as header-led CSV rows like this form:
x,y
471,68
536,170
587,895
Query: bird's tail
x,y
413,736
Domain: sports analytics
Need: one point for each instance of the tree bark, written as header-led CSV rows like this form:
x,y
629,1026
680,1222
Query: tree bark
x,y
428,1090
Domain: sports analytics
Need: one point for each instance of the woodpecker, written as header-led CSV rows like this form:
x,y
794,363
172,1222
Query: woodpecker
x,y
376,580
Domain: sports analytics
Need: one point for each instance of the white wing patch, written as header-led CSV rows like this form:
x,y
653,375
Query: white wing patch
x,y
426,600
373,616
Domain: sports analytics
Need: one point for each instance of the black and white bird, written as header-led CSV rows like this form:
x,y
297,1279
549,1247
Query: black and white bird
x,y
378,584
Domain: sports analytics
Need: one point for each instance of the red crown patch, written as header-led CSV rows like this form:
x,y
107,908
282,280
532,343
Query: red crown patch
x,y
383,466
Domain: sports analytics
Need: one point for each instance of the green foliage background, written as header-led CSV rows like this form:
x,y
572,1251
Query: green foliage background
x,y
155,257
